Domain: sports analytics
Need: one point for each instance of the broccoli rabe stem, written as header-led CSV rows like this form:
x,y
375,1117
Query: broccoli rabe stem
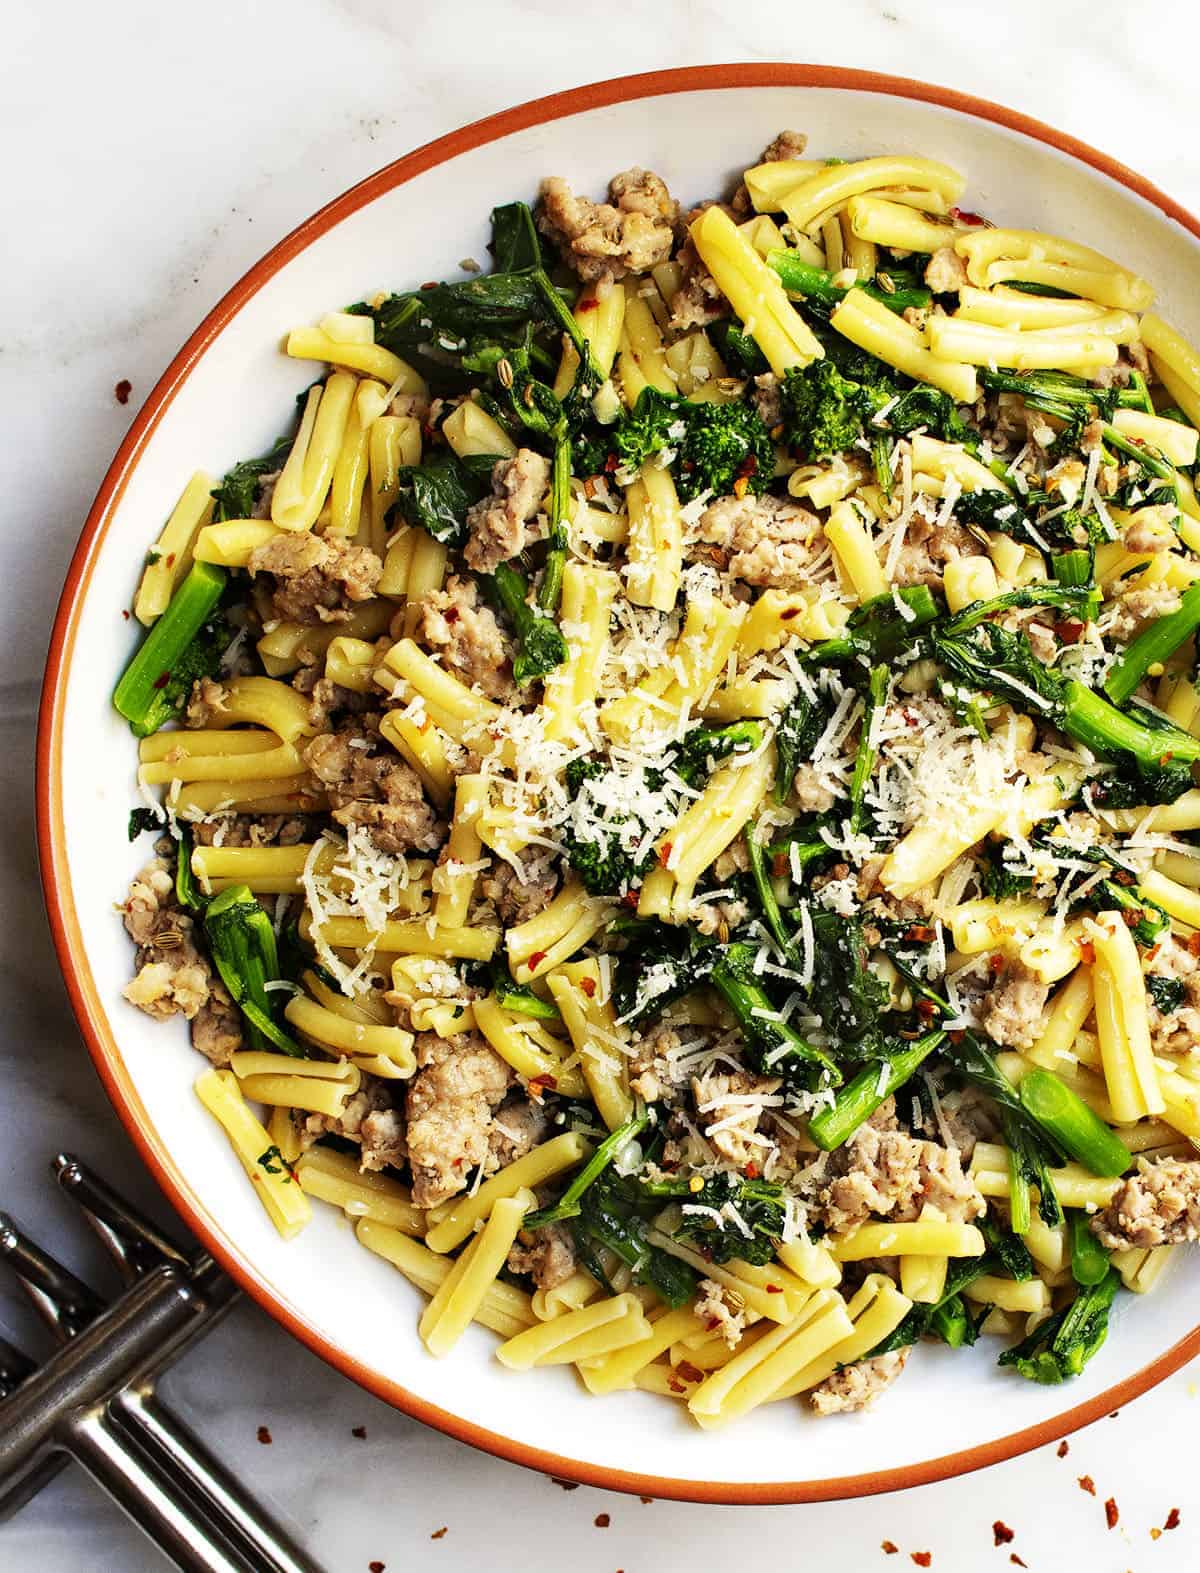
x,y
1155,644
864,759
542,646
878,630
1098,725
1060,1347
1076,1129
242,943
765,889
1059,394
1020,1195
773,1046
569,1203
1076,568
550,589
139,696
1089,1259
802,278
875,1083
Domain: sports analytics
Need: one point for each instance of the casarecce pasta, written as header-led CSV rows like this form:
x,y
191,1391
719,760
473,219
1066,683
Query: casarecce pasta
x,y
675,787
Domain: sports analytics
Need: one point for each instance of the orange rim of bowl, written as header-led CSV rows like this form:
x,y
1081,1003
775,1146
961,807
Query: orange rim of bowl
x,y
55,874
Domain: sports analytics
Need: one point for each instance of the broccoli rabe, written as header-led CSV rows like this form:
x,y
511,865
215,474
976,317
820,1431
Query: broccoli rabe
x,y
772,1046
825,411
618,850
703,747
718,448
241,941
757,1204
437,493
238,494
541,644
184,645
816,284
1168,994
661,962
1061,1346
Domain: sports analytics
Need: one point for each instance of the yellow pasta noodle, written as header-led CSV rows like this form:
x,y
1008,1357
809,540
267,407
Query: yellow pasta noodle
x,y
285,1203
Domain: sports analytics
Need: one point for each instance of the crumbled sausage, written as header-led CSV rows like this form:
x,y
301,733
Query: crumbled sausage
x,y
503,523
1159,1205
768,399
371,1119
1176,1031
547,1254
630,233
1136,608
883,1171
928,548
767,540
1150,530
517,897
1012,1008
811,794
787,145
945,272
327,699
466,635
317,577
459,1082
378,791
244,830
207,702
718,1098
857,1386
722,1309
698,300
516,1129
216,1027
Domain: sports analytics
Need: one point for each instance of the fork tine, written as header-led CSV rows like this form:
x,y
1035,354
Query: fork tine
x,y
15,1366
65,1302
135,1243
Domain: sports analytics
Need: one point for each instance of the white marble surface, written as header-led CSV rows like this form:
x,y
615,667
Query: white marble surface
x,y
152,153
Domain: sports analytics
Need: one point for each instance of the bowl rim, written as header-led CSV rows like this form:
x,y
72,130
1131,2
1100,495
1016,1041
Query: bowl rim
x,y
55,874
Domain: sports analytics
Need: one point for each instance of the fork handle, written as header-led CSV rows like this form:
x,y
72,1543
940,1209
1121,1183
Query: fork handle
x,y
213,1492
157,1504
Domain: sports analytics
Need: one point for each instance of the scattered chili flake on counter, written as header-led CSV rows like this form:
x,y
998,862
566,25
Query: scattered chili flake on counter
x,y
1111,1512
264,1436
922,1558
1086,1483
1013,1557
438,1533
645,1500
1064,1447
567,1485
359,1431
375,1567
602,1521
1001,1533
888,1547
122,391
1172,1519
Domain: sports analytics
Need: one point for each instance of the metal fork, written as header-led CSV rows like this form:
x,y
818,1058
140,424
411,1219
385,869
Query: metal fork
x,y
94,1399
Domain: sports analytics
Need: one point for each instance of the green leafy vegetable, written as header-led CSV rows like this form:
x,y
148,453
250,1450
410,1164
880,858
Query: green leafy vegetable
x,y
241,941
184,645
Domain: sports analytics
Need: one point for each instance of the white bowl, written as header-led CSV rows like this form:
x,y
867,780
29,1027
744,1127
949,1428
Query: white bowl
x,y
225,396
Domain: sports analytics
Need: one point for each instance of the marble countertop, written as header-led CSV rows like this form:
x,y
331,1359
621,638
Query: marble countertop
x,y
154,153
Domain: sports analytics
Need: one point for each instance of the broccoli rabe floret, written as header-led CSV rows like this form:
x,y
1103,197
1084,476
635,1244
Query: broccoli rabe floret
x,y
717,447
619,854
824,411
542,646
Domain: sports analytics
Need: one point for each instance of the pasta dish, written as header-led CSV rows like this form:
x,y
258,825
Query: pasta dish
x,y
673,787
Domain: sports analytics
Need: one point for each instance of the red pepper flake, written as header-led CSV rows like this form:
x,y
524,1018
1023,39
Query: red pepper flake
x,y
751,1170
360,1432
1172,1519
438,1533
630,899
1086,1483
588,303
264,1436
542,1083
788,613
451,614
965,216
1155,1532
1133,916
1001,1534
922,1558
1069,632
122,391
774,1288
610,464
645,1501
664,853
1111,1512
926,1009
888,1547
920,934
536,959
588,985
995,963
1013,1557
602,1521
125,613
375,1567
957,1035
1087,951
1064,1447
779,864
567,1485
689,1372
1193,943
161,680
